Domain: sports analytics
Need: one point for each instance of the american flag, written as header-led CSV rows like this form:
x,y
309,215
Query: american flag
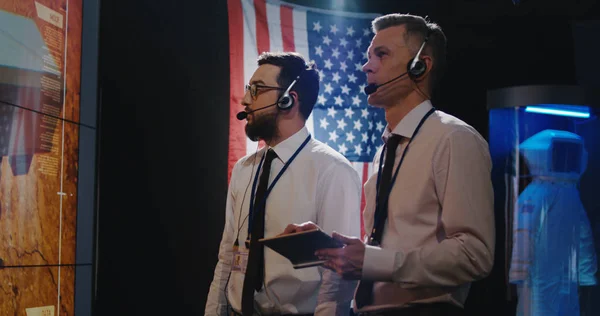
x,y
337,42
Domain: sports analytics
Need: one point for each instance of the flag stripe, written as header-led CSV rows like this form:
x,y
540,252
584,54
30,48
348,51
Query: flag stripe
x,y
273,14
262,28
300,34
250,56
237,138
262,43
287,29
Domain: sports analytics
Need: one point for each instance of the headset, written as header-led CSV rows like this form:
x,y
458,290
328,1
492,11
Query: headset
x,y
417,67
286,101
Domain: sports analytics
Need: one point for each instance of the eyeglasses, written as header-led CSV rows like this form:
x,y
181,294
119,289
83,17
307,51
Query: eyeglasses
x,y
253,88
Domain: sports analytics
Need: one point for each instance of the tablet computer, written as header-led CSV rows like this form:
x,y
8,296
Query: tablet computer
x,y
300,247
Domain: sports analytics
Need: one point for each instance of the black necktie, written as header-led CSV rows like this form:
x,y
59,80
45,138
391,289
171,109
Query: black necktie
x,y
255,269
364,292
384,186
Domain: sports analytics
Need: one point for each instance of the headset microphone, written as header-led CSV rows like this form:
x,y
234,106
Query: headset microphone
x,y
372,87
243,114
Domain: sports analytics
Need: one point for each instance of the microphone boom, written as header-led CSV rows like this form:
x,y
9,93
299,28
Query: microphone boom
x,y
243,114
372,87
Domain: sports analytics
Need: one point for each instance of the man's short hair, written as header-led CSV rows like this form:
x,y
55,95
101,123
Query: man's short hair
x,y
419,27
292,65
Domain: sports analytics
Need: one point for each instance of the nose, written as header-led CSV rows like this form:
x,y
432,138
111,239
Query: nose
x,y
247,99
368,67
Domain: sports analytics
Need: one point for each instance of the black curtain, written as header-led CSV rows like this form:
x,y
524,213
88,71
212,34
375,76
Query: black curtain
x,y
163,160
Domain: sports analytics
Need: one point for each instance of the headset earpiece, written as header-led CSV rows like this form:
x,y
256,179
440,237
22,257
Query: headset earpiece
x,y
285,102
416,66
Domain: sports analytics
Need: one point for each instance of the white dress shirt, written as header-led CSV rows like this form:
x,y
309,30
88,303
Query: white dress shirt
x,y
440,234
320,186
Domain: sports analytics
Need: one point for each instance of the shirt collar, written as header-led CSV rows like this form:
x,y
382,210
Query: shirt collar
x,y
409,123
288,147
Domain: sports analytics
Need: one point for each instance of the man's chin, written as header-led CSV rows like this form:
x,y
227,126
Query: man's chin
x,y
374,101
252,133
261,127
252,137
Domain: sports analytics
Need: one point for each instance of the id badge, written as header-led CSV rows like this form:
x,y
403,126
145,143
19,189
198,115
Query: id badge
x,y
240,260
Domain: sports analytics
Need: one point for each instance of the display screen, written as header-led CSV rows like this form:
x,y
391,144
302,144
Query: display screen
x,y
40,72
40,55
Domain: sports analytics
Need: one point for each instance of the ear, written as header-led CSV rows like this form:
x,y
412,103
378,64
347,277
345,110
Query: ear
x,y
294,96
429,62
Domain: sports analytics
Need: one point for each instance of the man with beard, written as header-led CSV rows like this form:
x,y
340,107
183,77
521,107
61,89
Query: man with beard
x,y
293,178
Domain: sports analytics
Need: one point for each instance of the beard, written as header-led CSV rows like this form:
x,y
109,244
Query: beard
x,y
263,127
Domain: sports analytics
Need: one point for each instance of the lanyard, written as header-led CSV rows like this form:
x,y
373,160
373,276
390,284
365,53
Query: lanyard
x,y
287,164
380,214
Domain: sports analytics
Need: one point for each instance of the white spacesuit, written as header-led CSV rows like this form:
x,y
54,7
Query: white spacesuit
x,y
553,250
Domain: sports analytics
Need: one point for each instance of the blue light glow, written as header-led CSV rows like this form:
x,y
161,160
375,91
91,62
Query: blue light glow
x,y
561,110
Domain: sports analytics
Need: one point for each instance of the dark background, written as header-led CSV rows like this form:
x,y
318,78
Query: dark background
x,y
164,108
